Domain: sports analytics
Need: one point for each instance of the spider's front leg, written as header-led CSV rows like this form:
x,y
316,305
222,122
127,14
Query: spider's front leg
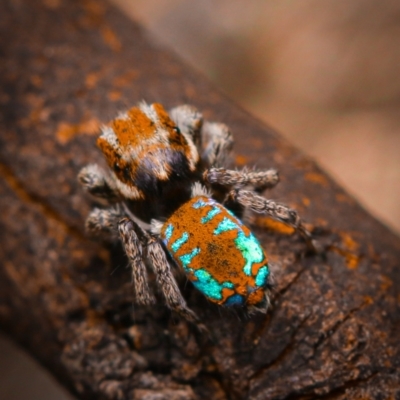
x,y
189,120
229,178
99,184
281,212
258,179
219,143
104,222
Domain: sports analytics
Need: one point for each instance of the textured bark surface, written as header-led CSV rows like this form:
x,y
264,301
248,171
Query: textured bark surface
x,y
333,329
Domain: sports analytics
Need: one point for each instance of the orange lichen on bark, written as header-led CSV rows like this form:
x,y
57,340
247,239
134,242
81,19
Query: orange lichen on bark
x,y
60,228
66,132
126,78
110,38
92,78
352,260
349,250
348,241
272,224
368,300
344,198
114,95
241,160
316,178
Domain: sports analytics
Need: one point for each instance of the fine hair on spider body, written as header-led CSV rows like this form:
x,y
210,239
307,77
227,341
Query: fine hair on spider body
x,y
168,189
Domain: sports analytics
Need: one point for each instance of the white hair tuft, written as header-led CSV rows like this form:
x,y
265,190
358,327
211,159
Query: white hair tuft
x,y
199,190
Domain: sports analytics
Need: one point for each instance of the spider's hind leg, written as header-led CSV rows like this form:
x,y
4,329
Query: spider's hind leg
x,y
167,283
278,211
132,235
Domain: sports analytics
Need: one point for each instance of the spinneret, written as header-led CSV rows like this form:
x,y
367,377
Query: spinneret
x,y
167,167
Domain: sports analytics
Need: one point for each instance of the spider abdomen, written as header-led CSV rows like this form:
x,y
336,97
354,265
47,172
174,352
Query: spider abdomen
x,y
219,254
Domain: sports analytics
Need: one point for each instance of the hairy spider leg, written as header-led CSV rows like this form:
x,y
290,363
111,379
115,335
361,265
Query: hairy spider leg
x,y
103,222
98,183
219,143
168,285
129,231
239,178
189,121
281,212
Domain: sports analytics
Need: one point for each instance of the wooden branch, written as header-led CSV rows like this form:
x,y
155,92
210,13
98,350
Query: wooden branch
x,y
333,329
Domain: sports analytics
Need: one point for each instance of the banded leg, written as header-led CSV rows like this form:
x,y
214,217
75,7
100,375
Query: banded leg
x,y
133,249
97,182
104,222
189,120
219,143
226,177
278,211
167,283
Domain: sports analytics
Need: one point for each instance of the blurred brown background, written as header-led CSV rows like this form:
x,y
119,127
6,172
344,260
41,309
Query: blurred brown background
x,y
324,74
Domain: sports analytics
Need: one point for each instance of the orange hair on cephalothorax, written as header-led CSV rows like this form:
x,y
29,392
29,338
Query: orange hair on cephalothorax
x,y
144,147
176,140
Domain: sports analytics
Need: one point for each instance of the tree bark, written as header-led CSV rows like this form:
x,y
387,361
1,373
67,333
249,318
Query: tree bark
x,y
332,331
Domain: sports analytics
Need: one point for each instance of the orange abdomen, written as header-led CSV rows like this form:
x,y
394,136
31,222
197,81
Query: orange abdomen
x,y
219,254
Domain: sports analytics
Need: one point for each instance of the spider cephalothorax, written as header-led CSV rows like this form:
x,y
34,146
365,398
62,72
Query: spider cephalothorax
x,y
165,168
144,148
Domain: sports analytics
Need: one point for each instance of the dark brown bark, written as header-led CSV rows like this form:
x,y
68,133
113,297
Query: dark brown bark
x,y
333,329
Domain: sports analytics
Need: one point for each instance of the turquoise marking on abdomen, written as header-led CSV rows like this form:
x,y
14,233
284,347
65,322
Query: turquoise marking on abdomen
x,y
179,242
247,245
199,204
210,215
250,249
186,259
208,285
168,232
204,280
225,225
262,276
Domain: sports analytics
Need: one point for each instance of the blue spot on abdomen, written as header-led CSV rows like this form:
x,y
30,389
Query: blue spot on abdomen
x,y
235,300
